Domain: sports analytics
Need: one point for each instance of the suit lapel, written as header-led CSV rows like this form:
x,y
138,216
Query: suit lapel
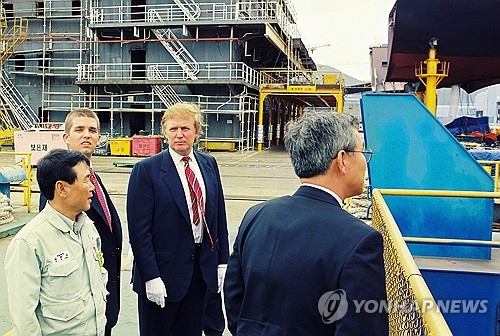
x,y
115,220
210,184
173,182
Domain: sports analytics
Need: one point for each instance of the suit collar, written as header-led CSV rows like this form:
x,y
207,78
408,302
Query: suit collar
x,y
173,182
318,194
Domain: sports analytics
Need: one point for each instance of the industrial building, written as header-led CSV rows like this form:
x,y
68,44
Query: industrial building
x,y
130,59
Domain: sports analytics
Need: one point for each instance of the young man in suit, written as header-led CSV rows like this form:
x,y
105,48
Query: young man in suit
x,y
81,133
55,279
177,228
300,262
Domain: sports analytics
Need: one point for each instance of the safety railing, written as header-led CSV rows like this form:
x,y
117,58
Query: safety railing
x,y
244,105
279,11
286,77
496,164
26,184
413,310
169,71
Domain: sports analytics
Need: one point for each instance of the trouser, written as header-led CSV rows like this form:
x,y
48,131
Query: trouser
x,y
184,318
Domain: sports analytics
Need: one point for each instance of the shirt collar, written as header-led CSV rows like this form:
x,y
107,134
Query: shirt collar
x,y
177,158
73,226
325,190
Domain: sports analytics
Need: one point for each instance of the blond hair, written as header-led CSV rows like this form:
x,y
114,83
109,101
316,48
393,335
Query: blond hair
x,y
184,110
79,112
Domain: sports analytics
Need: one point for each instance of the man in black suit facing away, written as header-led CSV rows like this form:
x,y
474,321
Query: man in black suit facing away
x,y
301,262
81,133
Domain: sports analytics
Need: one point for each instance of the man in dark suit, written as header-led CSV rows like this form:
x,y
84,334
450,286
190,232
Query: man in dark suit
x,y
300,262
177,228
81,133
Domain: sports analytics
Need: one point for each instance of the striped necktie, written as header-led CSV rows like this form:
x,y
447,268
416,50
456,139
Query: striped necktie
x,y
196,195
194,192
100,197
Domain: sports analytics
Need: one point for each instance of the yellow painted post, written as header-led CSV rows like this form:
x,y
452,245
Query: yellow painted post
x,y
28,191
497,165
260,125
431,96
340,102
431,75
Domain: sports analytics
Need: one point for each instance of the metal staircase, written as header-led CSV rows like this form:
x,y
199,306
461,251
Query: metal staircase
x,y
166,93
15,113
190,8
13,37
23,114
182,56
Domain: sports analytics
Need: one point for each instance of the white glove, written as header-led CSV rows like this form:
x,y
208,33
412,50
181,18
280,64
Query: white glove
x,y
221,274
156,291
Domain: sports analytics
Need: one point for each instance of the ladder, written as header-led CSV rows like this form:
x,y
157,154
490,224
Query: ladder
x,y
190,8
182,56
166,93
24,115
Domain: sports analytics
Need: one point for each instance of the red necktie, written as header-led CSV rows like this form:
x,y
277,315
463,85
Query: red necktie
x,y
100,197
196,196
194,192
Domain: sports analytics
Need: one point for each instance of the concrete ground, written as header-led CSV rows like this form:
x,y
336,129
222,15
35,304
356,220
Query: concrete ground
x,y
248,178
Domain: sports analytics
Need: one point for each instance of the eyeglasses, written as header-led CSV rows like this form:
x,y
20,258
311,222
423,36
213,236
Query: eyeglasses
x,y
367,153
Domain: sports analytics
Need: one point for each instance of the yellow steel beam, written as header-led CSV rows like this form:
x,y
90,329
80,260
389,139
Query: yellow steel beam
x,y
260,125
440,193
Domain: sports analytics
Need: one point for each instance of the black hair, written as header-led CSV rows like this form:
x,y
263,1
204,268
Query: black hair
x,y
57,165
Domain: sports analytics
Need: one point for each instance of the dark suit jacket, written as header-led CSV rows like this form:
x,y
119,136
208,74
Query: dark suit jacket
x,y
160,230
288,253
111,249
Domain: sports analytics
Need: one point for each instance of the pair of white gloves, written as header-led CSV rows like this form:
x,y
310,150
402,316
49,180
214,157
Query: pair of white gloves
x,y
156,291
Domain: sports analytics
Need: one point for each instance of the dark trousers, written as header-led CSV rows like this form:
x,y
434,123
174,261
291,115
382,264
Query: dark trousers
x,y
214,323
107,332
184,318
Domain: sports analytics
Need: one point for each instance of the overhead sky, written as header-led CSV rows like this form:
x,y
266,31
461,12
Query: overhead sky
x,y
350,27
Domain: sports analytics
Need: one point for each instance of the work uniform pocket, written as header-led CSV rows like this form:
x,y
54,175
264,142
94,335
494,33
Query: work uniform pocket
x,y
62,311
63,279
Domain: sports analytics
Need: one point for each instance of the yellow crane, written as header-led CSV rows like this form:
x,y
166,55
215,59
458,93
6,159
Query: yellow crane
x,y
313,48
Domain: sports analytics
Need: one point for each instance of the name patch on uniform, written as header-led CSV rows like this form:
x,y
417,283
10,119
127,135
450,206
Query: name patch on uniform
x,y
60,256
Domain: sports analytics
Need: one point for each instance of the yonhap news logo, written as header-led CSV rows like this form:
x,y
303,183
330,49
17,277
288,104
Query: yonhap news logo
x,y
332,306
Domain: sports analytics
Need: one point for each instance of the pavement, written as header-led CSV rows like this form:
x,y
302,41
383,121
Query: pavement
x,y
248,178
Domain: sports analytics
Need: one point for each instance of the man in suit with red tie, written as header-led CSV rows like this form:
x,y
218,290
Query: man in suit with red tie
x,y
81,133
177,228
301,262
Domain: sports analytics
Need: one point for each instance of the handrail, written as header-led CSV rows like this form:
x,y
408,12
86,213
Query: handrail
x,y
278,11
440,193
417,312
456,242
169,71
26,165
497,170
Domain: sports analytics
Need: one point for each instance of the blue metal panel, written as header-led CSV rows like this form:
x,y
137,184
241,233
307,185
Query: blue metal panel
x,y
413,150
469,305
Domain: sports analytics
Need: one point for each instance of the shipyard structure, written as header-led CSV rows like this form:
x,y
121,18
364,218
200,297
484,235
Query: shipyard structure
x,y
243,62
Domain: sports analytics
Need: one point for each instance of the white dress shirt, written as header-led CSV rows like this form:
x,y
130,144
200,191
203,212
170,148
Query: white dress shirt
x,y
193,164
